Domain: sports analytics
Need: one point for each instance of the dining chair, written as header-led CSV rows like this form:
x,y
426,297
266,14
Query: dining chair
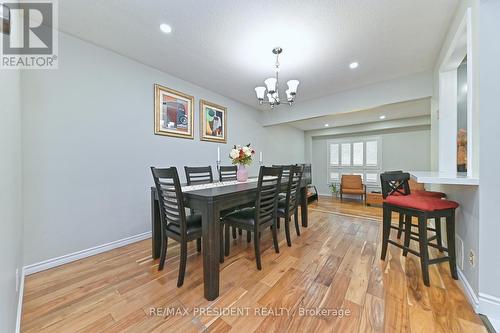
x,y
288,206
262,215
227,172
284,176
199,175
174,223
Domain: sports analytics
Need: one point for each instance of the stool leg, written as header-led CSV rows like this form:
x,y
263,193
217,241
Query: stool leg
x,y
424,254
407,233
401,223
450,235
439,239
386,229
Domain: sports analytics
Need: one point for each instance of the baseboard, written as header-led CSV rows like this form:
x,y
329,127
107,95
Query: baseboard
x,y
51,263
489,305
20,302
469,292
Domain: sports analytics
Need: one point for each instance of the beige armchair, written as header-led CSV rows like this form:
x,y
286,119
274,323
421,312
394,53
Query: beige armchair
x,y
352,184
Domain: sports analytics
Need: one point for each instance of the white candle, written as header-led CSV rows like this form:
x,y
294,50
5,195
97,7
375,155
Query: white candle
x,y
260,157
218,154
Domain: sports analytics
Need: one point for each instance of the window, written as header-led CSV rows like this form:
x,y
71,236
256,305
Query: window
x,y
346,154
371,177
355,156
372,153
357,153
334,154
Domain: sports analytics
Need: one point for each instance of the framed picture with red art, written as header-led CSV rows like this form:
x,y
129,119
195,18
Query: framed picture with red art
x,y
173,113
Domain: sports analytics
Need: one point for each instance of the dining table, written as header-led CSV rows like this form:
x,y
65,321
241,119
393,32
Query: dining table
x,y
210,200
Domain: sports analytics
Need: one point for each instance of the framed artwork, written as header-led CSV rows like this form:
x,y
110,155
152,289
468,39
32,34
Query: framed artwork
x,y
173,113
5,17
213,124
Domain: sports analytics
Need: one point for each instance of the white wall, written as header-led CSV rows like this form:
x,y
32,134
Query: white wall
x,y
396,152
467,215
88,144
10,196
489,184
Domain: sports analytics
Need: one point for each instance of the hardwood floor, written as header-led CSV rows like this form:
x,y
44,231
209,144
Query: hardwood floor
x,y
334,265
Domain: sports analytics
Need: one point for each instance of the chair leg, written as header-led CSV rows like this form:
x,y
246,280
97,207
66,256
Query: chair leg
x,y
234,232
256,243
296,220
226,239
275,239
386,229
182,266
450,236
407,227
249,236
401,224
424,250
439,237
198,244
278,222
240,231
221,246
163,255
287,231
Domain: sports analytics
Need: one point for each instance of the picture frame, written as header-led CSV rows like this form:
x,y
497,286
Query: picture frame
x,y
173,113
5,17
213,122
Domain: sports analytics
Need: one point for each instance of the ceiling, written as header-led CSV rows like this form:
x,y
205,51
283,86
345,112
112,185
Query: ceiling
x,y
410,109
225,45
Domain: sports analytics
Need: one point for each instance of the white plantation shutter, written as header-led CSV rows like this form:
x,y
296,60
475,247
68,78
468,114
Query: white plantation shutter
x,y
357,153
371,177
334,154
346,154
372,153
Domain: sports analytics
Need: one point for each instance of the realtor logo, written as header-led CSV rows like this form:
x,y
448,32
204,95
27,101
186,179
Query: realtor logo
x,y
29,35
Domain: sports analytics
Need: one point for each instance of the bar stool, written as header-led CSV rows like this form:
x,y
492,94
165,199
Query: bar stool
x,y
397,198
418,189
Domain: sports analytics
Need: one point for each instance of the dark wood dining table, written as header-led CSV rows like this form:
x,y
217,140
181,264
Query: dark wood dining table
x,y
209,202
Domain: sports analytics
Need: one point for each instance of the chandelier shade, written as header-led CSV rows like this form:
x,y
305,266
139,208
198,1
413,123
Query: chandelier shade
x,y
260,91
292,86
271,84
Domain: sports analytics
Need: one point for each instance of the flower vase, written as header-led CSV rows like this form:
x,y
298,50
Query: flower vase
x,y
242,173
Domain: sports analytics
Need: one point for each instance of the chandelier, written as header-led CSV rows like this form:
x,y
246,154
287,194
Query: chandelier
x,y
272,85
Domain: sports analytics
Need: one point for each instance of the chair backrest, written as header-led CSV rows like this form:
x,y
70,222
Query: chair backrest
x,y
268,188
394,183
292,190
286,170
199,175
227,173
170,198
351,181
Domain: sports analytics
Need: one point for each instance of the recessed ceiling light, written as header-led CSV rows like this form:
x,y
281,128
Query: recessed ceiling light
x,y
326,125
353,65
165,28
382,117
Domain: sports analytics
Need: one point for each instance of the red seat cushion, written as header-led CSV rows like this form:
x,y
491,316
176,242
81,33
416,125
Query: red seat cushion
x,y
428,204
431,194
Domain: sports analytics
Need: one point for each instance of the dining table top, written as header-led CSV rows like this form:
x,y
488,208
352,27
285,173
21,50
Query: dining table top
x,y
220,189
